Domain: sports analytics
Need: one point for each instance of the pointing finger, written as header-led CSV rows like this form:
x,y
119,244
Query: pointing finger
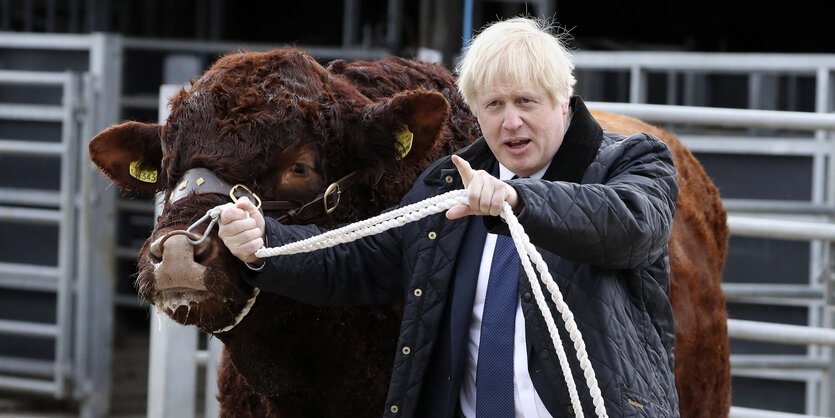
x,y
464,169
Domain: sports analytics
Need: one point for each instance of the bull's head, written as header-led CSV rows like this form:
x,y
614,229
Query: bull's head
x,y
284,127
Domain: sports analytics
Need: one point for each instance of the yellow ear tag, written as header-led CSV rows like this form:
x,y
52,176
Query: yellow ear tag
x,y
403,144
147,176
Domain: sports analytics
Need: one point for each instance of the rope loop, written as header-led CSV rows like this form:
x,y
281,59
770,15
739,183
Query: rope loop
x,y
528,255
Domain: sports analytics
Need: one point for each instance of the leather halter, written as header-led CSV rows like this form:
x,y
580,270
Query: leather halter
x,y
202,181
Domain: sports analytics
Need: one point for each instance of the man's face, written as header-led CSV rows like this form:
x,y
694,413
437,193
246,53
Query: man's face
x,y
523,126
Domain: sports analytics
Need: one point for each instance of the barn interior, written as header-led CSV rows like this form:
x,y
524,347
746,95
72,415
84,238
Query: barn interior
x,y
733,55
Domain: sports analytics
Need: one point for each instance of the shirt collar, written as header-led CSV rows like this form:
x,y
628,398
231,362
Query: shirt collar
x,y
506,174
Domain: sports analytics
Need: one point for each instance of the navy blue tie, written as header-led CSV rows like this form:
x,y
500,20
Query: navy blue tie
x,y
494,372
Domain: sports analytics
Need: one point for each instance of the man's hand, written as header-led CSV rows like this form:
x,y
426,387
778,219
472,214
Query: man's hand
x,y
241,228
485,193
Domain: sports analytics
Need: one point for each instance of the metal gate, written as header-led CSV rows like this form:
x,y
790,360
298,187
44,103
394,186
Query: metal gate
x,y
41,206
55,293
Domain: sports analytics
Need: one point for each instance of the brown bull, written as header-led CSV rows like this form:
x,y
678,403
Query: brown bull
x,y
287,128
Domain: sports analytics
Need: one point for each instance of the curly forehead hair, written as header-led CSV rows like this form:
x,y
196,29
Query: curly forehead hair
x,y
517,52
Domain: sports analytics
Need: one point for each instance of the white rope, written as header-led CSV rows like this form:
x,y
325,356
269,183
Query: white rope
x,y
527,253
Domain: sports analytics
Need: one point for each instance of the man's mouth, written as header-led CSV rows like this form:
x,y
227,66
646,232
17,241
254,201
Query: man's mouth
x,y
517,143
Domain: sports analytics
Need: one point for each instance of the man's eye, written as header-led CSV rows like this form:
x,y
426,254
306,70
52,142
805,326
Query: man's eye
x,y
299,168
525,100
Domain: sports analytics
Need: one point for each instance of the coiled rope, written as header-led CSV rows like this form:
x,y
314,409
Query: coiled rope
x,y
527,253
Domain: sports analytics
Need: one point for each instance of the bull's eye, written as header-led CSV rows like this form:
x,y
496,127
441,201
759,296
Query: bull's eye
x,y
300,168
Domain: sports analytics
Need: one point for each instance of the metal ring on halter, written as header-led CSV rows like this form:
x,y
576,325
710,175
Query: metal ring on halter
x,y
206,232
328,192
235,198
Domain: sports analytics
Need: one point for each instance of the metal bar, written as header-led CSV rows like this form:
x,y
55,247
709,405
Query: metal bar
x,y
827,400
28,284
63,41
28,112
211,404
28,385
32,78
11,146
40,216
201,357
780,333
637,85
778,207
95,269
173,369
738,290
29,271
755,145
776,374
748,118
780,229
467,27
29,197
740,412
30,367
778,301
700,62
32,329
66,236
766,361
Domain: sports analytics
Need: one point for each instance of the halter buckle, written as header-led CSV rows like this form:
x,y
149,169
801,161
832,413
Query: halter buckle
x,y
328,192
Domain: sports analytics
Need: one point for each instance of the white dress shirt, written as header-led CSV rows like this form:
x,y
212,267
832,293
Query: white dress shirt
x,y
527,401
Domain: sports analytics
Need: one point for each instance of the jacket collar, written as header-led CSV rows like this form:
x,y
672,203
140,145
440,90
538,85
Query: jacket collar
x,y
577,151
579,146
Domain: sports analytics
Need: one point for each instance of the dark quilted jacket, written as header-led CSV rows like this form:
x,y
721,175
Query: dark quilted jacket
x,y
601,222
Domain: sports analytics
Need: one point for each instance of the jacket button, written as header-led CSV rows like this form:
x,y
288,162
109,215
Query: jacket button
x,y
406,350
526,297
544,354
418,292
448,179
394,409
433,235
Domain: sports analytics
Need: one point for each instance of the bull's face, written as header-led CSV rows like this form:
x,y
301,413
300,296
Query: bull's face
x,y
277,123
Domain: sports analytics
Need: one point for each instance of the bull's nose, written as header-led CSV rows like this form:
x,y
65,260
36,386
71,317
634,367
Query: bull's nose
x,y
177,267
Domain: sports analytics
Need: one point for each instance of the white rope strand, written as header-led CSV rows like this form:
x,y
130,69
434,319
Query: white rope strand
x,y
371,226
527,253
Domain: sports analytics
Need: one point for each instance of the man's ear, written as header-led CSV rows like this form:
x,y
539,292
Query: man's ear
x,y
131,155
402,129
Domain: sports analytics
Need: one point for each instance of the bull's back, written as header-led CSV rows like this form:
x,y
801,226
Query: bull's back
x,y
698,246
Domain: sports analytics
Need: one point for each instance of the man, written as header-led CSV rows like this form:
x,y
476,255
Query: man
x,y
598,205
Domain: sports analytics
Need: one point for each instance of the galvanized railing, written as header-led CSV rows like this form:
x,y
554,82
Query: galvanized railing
x,y
777,224
43,375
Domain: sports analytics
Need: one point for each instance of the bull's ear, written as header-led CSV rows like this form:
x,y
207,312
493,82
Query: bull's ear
x,y
131,155
404,128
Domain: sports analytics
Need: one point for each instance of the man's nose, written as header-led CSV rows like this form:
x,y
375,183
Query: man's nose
x,y
512,120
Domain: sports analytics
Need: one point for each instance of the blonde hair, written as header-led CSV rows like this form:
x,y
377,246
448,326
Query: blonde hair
x,y
518,52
